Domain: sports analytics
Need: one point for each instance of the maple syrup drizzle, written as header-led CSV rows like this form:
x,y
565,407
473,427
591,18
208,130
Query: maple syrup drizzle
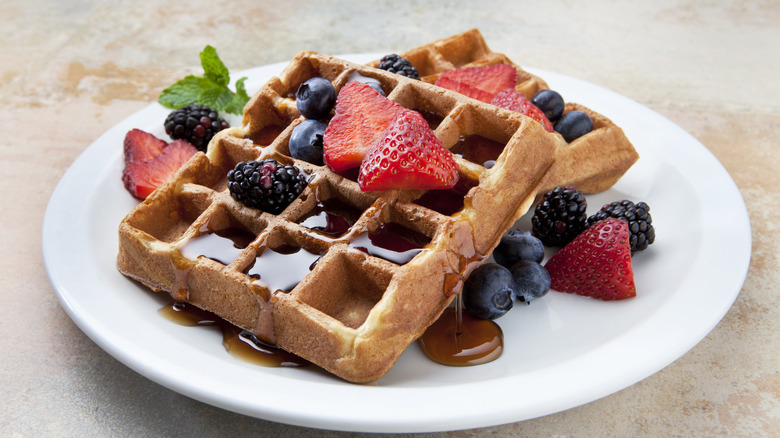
x,y
478,149
331,217
392,242
241,344
282,268
459,339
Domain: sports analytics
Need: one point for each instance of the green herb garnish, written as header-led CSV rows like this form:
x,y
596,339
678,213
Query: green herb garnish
x,y
210,90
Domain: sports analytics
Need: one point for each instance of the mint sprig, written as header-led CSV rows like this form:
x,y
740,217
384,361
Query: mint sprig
x,y
210,90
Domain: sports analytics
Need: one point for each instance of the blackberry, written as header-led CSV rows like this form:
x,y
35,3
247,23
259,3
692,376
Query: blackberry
x,y
560,217
640,223
196,124
395,64
266,184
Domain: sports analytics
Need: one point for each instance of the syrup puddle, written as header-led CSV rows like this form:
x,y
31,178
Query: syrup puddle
x,y
241,344
459,339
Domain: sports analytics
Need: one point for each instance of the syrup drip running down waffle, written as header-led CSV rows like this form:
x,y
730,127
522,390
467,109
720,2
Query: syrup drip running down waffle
x,y
372,270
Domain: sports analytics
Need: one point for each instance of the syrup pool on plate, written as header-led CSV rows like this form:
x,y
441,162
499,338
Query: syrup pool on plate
x,y
459,339
241,344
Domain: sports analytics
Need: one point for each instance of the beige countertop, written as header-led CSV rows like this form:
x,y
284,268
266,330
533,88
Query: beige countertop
x,y
71,70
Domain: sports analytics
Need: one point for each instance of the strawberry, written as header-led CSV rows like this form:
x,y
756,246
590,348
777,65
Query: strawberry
x,y
481,83
514,101
142,175
141,146
362,116
408,157
596,264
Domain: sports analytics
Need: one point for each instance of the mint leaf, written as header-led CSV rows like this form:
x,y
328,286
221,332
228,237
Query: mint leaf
x,y
211,89
213,67
239,100
183,92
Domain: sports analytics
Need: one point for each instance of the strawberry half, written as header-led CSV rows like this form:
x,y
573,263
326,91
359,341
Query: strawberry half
x,y
514,101
142,176
141,146
596,264
362,116
481,83
408,157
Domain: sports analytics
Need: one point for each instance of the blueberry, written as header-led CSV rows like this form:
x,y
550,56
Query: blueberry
x,y
531,279
315,98
306,141
489,291
516,245
574,125
550,102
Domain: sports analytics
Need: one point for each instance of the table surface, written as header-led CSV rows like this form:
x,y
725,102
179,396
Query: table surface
x,y
71,70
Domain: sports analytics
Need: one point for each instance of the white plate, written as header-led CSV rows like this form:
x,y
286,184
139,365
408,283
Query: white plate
x,y
561,351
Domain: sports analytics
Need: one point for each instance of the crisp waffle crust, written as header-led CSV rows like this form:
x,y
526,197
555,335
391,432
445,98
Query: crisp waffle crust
x,y
348,307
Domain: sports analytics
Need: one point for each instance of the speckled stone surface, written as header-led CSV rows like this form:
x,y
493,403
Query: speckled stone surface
x,y
71,70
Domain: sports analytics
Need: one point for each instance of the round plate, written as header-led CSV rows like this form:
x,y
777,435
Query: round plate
x,y
561,351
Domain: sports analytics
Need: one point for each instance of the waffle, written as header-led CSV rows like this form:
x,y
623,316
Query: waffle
x,y
593,162
352,306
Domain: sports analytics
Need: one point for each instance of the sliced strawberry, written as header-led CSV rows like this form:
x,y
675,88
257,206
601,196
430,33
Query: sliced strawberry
x,y
597,263
142,178
514,101
408,157
141,146
362,116
481,83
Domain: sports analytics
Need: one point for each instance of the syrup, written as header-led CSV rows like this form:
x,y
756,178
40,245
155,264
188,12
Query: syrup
x,y
282,268
241,344
446,201
392,242
331,217
350,174
478,149
222,246
433,119
267,135
459,339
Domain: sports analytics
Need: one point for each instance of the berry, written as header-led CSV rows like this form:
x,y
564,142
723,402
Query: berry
x,y
640,223
560,217
266,184
196,124
395,64
408,157
140,146
550,102
574,125
514,101
147,166
596,264
489,292
531,279
517,245
481,83
306,141
315,98
362,116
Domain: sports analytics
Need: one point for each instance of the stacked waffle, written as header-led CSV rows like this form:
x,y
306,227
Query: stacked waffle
x,y
338,296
